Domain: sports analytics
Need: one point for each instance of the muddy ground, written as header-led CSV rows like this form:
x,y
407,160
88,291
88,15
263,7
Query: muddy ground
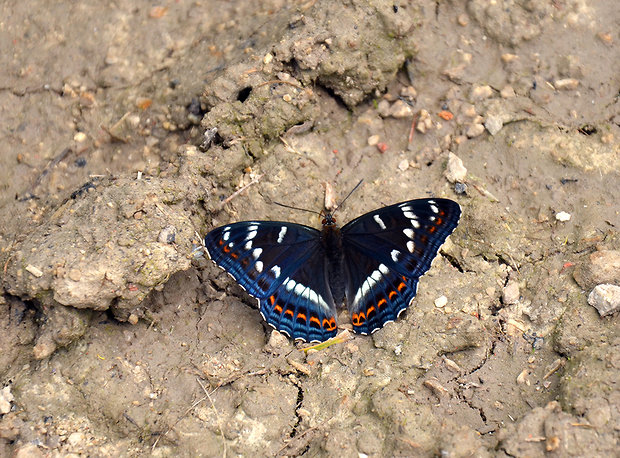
x,y
119,339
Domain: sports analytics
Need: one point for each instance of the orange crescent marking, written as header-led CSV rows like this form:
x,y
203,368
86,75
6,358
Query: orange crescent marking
x,y
392,294
314,319
439,222
300,315
432,229
401,286
220,242
272,299
381,303
288,312
234,255
277,308
227,249
370,309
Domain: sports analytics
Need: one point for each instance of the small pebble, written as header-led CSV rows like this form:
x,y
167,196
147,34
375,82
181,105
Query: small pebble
x,y
566,84
606,38
34,270
278,340
400,109
474,130
522,378
455,170
605,299
6,397
493,124
562,216
267,59
75,439
507,58
403,165
287,97
460,188
409,92
383,108
511,293
79,137
598,268
481,92
436,388
507,92
441,301
373,140
462,20
424,122
133,319
75,274
167,235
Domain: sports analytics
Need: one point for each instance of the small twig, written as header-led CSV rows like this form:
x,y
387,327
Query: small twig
x,y
217,415
178,420
239,191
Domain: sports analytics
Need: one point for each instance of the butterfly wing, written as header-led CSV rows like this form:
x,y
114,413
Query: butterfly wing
x,y
386,251
282,265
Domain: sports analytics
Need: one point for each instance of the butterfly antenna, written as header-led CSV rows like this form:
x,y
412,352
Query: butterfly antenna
x,y
348,195
295,208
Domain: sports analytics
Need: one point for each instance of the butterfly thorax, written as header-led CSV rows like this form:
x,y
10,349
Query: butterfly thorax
x,y
331,241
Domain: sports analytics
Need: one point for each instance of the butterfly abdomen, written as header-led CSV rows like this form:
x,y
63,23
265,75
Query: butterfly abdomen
x,y
331,240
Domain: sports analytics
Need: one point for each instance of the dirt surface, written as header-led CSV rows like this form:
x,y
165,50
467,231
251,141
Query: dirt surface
x,y
127,129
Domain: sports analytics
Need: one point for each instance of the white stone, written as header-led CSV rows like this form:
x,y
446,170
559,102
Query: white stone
x,y
441,301
605,298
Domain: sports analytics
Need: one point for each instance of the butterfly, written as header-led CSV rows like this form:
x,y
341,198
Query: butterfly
x,y
300,275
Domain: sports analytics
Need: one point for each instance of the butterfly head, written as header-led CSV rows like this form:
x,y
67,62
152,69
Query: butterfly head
x,y
328,218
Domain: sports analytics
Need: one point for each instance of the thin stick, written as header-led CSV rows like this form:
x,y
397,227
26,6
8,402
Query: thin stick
x,y
217,415
239,191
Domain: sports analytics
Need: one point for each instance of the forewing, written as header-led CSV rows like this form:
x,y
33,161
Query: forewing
x,y
259,255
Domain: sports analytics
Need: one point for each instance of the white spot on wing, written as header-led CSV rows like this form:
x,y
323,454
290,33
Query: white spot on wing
x,y
415,223
434,208
371,281
259,266
276,271
395,254
405,207
410,246
226,236
251,234
282,234
253,227
379,221
409,233
256,253
248,246
409,215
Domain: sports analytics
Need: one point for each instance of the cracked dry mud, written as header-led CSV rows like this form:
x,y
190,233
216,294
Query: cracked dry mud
x,y
119,339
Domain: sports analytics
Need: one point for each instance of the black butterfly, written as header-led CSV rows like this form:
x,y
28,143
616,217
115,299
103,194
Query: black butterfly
x,y
300,275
